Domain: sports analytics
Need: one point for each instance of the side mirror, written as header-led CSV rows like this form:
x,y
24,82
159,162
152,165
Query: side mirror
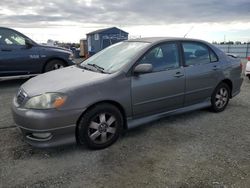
x,y
143,68
28,43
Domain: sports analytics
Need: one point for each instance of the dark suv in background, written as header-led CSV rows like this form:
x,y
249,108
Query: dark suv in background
x,y
22,57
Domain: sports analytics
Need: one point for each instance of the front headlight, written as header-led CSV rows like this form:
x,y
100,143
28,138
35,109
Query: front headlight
x,y
71,56
46,101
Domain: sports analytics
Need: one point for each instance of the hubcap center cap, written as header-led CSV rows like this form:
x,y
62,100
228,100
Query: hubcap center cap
x,y
103,127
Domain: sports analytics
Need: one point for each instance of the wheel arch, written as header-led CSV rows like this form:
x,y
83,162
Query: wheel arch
x,y
229,83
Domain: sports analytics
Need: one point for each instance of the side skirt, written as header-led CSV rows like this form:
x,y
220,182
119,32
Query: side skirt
x,y
17,77
132,123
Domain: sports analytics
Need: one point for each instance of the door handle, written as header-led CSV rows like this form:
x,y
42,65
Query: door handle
x,y
178,74
6,50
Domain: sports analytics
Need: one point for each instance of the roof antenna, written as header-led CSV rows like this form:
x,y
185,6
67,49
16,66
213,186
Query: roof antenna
x,y
188,31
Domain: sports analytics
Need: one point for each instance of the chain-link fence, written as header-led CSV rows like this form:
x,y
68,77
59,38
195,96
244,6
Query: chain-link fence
x,y
242,50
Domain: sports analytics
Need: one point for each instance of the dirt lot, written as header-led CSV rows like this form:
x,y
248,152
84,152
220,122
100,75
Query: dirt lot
x,y
197,149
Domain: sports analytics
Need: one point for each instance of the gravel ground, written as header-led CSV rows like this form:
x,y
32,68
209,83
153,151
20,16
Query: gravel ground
x,y
197,149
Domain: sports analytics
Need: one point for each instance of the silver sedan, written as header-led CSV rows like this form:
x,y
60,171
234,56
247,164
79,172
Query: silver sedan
x,y
125,85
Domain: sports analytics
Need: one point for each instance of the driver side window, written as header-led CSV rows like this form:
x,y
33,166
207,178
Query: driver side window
x,y
162,57
9,37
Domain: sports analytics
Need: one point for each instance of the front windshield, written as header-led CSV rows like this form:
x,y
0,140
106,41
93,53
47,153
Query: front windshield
x,y
115,57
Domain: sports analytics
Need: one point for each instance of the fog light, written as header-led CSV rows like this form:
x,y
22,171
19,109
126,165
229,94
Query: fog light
x,y
41,135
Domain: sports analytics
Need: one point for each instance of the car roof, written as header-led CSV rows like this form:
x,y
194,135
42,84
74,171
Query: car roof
x,y
6,28
164,39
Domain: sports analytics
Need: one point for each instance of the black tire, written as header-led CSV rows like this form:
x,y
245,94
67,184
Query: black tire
x,y
220,97
248,76
100,126
54,65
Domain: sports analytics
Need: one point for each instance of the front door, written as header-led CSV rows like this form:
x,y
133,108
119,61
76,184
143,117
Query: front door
x,y
163,89
15,57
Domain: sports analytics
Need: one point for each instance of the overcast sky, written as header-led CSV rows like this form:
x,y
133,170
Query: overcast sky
x,y
70,20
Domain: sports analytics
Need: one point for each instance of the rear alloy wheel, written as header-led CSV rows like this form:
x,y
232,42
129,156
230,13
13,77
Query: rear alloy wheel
x,y
100,127
220,98
54,65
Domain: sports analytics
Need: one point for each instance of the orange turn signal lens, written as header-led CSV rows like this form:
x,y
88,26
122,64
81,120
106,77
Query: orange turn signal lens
x,y
59,102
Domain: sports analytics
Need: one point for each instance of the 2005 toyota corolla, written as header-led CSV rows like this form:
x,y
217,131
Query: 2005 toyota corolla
x,y
125,85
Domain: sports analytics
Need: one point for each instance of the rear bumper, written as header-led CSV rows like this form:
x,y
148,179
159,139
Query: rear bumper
x,y
247,72
237,85
46,128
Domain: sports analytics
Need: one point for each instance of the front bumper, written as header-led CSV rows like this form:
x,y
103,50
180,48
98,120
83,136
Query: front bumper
x,y
58,125
71,62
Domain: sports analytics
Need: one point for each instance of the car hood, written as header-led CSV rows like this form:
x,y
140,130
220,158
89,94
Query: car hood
x,y
62,80
56,48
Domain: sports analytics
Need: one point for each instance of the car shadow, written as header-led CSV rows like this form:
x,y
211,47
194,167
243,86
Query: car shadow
x,y
26,151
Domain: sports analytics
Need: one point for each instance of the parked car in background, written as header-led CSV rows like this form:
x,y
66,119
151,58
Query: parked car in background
x,y
247,71
125,85
22,57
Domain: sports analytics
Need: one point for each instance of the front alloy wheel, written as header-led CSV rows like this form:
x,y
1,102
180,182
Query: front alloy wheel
x,y
100,126
54,65
57,66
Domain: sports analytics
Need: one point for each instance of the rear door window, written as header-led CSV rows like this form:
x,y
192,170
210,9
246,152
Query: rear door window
x,y
196,53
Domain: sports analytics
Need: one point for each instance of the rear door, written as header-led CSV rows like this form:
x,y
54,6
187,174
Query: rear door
x,y
202,69
15,57
163,89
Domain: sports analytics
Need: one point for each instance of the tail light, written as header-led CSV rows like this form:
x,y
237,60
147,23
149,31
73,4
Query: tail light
x,y
248,58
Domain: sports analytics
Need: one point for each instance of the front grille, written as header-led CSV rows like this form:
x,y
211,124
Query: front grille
x,y
21,95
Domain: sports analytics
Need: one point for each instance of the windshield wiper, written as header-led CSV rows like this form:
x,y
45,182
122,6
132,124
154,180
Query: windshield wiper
x,y
83,67
99,68
96,66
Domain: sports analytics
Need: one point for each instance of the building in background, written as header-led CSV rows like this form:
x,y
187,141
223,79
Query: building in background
x,y
83,48
102,38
